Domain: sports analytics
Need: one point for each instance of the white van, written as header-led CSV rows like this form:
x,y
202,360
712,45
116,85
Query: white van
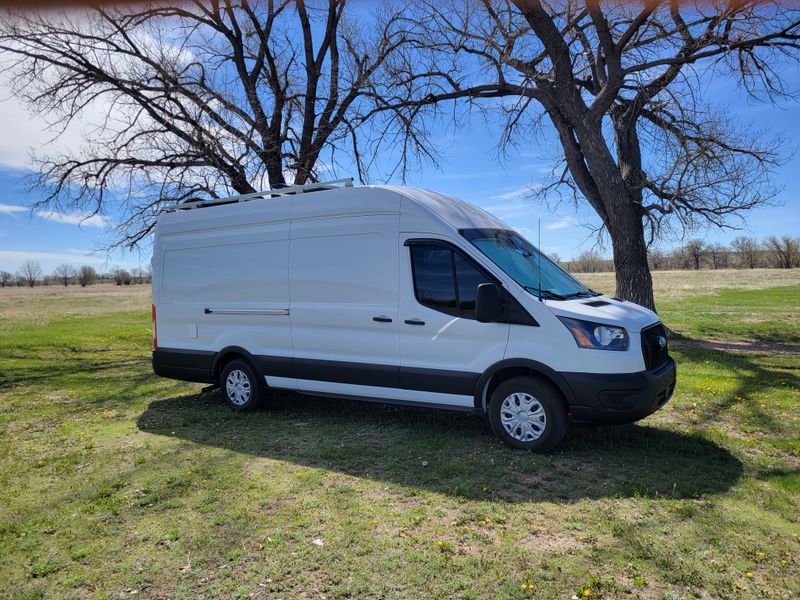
x,y
401,295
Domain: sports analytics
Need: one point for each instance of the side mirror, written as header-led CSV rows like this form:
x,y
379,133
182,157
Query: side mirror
x,y
488,306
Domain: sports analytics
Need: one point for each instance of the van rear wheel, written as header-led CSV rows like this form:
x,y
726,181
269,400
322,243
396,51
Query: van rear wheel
x,y
528,413
241,386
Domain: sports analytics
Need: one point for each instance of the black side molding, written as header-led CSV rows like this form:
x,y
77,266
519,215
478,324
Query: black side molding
x,y
200,366
185,365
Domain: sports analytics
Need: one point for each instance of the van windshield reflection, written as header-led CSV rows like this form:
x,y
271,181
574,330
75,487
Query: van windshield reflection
x,y
526,265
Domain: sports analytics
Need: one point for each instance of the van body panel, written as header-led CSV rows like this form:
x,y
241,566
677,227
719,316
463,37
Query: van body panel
x,y
343,276
225,283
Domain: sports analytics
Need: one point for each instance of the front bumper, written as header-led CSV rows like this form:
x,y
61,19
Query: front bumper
x,y
600,398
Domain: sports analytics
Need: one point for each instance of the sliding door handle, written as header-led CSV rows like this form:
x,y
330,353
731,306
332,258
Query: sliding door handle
x,y
414,322
382,319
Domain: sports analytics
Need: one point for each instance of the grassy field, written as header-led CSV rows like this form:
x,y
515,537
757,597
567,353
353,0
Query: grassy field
x,y
117,484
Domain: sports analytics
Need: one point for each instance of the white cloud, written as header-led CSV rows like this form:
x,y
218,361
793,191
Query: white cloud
x,y
82,219
512,195
8,209
564,223
24,131
98,221
541,168
65,257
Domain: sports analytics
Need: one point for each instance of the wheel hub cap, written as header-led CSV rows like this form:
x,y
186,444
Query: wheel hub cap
x,y
523,417
237,385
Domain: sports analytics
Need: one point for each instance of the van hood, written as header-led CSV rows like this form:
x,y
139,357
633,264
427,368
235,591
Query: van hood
x,y
607,310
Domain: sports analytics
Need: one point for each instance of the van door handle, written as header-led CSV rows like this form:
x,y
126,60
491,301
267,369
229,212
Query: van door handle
x,y
414,322
382,319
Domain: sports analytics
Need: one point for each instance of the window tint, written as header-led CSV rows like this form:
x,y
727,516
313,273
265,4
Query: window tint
x,y
468,278
437,285
433,277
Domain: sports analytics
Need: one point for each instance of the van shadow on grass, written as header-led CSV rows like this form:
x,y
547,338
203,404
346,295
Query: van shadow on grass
x,y
450,453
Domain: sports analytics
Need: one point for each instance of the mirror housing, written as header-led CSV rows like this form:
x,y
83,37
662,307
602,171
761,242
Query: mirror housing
x,y
488,305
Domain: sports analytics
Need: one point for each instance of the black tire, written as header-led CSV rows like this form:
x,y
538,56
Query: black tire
x,y
543,432
246,391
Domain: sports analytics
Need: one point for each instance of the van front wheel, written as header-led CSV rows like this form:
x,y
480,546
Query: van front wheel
x,y
528,413
241,386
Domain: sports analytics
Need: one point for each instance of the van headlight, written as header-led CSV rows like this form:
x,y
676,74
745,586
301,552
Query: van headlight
x,y
596,335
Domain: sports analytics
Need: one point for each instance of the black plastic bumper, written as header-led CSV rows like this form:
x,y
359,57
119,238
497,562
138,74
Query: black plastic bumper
x,y
185,365
620,398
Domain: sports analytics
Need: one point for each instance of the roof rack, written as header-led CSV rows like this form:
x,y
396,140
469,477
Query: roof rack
x,y
273,193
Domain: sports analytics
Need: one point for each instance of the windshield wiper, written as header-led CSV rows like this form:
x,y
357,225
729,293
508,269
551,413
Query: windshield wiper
x,y
549,294
589,293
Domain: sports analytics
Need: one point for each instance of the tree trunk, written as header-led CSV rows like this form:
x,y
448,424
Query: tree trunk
x,y
634,282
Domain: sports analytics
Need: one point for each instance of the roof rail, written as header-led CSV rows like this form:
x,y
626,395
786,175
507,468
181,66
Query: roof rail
x,y
274,193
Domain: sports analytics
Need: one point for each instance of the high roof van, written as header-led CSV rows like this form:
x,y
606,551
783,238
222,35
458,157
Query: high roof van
x,y
399,295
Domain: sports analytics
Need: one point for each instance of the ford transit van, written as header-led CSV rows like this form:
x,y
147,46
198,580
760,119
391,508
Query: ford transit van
x,y
401,295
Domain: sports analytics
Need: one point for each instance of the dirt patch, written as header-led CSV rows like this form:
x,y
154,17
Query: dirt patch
x,y
738,346
548,543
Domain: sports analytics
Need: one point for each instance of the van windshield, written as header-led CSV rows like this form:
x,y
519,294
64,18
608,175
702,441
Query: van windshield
x,y
526,265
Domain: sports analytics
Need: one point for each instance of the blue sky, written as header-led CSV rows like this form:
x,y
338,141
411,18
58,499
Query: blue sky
x,y
469,169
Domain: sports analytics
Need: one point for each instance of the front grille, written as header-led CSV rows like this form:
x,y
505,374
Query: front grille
x,y
654,354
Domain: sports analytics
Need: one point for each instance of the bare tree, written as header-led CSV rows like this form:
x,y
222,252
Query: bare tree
x,y
588,261
785,251
658,258
86,275
621,85
6,278
748,251
64,274
695,251
122,277
30,272
197,98
718,255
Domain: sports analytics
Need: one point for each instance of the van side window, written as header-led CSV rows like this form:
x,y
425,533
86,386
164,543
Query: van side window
x,y
434,284
445,280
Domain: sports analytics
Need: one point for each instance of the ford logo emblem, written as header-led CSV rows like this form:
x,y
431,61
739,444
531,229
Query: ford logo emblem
x,y
662,342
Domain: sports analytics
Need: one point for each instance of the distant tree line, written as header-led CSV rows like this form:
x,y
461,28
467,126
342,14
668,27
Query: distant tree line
x,y
31,274
743,253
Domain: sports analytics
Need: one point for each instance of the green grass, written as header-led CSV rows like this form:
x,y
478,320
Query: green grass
x,y
113,481
770,315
